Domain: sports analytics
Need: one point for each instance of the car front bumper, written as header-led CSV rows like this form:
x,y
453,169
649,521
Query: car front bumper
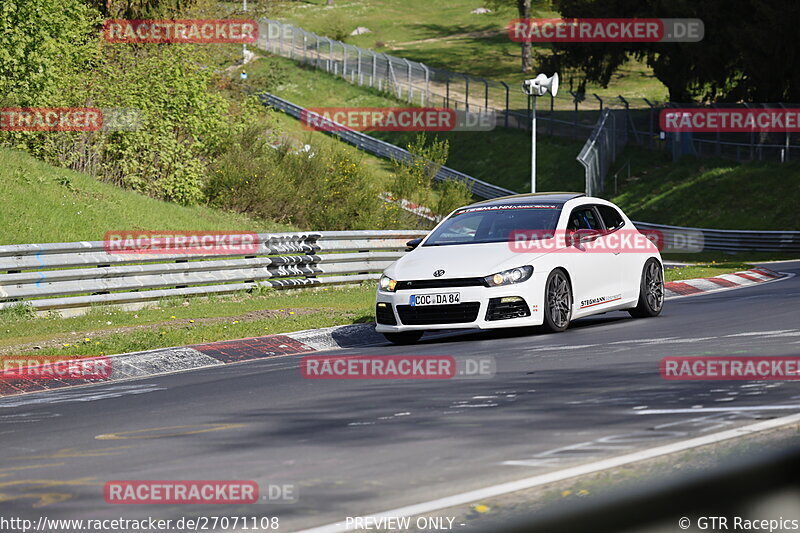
x,y
531,291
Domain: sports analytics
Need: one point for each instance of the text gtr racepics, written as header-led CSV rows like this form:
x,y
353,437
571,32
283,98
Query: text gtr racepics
x,y
524,260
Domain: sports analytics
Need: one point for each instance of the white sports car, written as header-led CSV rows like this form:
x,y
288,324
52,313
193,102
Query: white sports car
x,y
524,260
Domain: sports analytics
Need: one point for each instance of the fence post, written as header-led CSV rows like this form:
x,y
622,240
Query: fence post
x,y
360,79
427,82
408,79
485,94
466,96
650,132
599,100
505,113
344,61
575,100
374,67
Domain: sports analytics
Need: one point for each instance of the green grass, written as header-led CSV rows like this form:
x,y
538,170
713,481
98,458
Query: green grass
x,y
42,203
708,270
177,322
712,193
397,26
501,157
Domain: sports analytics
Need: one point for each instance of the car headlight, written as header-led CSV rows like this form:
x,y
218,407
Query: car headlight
x,y
387,284
507,277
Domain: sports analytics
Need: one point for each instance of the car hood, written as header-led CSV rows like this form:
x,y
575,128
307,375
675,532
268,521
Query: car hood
x,y
458,261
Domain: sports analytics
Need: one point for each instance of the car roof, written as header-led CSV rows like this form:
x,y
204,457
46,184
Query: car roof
x,y
559,198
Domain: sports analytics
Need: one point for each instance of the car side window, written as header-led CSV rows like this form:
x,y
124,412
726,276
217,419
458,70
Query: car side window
x,y
611,217
583,218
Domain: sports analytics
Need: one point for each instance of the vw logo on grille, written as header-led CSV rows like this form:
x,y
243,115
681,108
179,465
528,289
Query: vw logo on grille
x,y
439,273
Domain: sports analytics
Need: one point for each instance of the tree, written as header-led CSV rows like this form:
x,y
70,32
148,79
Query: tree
x,y
524,12
749,51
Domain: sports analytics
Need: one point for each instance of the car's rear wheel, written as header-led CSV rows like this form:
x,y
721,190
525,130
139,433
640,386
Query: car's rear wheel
x,y
404,337
557,302
651,291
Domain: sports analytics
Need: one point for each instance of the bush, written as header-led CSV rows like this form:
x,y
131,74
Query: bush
x,y
414,179
324,188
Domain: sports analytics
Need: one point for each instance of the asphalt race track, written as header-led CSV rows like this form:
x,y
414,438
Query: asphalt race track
x,y
355,447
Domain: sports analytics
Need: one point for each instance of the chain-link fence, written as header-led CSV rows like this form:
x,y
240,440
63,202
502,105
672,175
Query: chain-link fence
x,y
609,137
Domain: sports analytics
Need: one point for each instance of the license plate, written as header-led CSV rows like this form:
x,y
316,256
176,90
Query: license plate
x,y
442,298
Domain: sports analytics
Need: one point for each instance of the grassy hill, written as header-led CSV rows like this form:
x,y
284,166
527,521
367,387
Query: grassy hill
x,y
713,193
42,203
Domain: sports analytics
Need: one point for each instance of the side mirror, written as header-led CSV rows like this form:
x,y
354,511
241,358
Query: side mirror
x,y
583,235
413,243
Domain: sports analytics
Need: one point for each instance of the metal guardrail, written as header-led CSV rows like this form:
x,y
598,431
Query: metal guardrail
x,y
80,274
381,148
722,240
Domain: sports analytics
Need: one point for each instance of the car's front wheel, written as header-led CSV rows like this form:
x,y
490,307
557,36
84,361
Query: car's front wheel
x,y
404,337
557,302
651,291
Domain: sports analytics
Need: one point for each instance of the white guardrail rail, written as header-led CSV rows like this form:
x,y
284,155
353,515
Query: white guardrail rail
x,y
80,274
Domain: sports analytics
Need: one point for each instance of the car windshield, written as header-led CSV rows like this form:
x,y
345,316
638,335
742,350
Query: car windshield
x,y
476,225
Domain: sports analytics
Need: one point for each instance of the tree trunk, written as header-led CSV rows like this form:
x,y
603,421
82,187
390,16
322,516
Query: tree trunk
x,y
524,9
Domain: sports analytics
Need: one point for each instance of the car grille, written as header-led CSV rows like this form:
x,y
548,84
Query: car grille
x,y
504,311
384,315
439,283
438,314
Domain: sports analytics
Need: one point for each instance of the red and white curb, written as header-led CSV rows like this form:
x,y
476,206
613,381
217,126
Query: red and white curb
x,y
169,360
689,287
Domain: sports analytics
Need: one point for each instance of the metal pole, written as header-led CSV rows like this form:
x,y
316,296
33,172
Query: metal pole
x,y
408,80
505,120
244,46
533,145
374,68
360,79
427,82
466,101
